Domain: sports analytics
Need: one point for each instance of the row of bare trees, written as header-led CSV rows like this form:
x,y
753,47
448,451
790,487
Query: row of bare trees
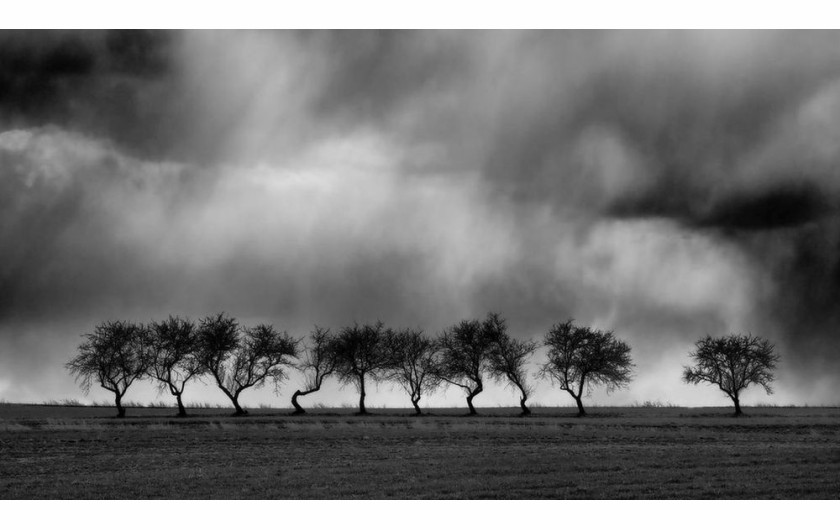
x,y
176,351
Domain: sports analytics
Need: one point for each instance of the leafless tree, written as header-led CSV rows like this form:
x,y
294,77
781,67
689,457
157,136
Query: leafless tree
x,y
509,359
733,363
174,356
218,338
242,359
412,363
115,355
580,358
316,364
360,355
465,351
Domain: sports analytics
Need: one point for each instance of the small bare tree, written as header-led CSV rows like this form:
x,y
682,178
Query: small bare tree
x,y
412,363
174,356
242,359
580,358
360,355
465,351
115,355
509,359
733,363
316,364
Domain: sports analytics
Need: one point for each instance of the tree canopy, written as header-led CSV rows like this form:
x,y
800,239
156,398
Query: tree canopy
x,y
733,362
360,355
509,359
580,358
412,363
115,355
465,352
241,358
316,364
174,356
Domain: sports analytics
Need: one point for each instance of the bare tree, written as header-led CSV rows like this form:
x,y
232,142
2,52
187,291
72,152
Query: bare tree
x,y
412,363
580,358
509,359
316,364
360,354
174,358
115,355
465,351
733,363
218,338
242,359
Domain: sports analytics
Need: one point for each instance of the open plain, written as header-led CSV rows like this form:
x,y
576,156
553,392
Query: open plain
x,y
615,453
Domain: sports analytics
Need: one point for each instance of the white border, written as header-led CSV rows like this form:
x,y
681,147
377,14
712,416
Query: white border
x,y
430,13
419,515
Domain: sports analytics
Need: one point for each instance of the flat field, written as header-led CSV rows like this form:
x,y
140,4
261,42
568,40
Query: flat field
x,y
615,453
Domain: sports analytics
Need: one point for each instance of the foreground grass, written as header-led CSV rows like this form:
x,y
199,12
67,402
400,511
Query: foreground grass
x,y
68,452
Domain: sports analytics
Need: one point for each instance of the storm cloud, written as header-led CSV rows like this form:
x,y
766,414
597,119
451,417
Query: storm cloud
x,y
662,184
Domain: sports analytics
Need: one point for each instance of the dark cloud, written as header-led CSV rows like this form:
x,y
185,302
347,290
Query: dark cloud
x,y
792,204
115,84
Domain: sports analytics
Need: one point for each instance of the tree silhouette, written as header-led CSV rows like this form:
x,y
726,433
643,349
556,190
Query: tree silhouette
x,y
412,363
360,354
218,339
509,359
580,358
733,363
316,364
465,352
174,359
242,359
115,355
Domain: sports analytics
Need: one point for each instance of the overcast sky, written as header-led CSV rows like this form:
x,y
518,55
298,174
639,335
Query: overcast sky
x,y
666,185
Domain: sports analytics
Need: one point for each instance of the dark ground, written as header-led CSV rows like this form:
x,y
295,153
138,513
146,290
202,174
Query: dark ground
x,y
616,453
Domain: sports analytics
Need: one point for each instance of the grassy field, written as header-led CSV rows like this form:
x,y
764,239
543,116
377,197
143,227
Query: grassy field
x,y
616,453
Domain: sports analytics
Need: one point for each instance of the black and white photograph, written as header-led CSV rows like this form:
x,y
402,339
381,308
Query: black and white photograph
x,y
399,264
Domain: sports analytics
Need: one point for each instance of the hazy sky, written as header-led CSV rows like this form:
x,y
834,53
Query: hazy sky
x,y
665,185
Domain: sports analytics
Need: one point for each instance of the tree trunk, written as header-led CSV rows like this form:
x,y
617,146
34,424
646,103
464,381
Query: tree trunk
x,y
470,397
362,409
737,402
182,412
120,408
298,408
234,398
525,410
415,401
239,411
581,411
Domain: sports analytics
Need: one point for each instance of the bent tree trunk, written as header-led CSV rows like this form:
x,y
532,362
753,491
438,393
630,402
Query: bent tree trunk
x,y
581,411
238,410
120,408
295,404
470,397
362,409
234,398
182,412
525,410
301,393
414,401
